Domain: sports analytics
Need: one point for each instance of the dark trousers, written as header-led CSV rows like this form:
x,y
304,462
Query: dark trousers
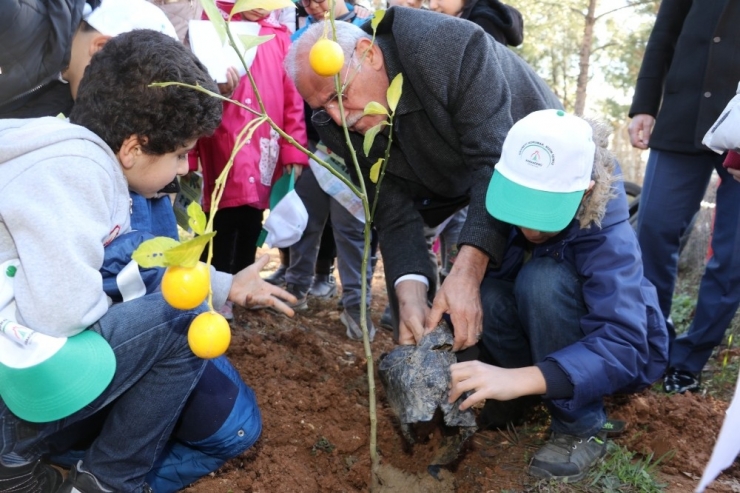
x,y
672,192
235,244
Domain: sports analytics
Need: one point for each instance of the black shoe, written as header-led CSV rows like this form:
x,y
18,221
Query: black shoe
x,y
566,457
680,381
35,477
386,320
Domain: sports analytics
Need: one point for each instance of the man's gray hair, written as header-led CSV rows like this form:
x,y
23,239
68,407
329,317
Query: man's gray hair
x,y
347,37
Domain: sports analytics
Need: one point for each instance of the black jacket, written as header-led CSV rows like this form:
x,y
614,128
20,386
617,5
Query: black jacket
x,y
501,21
462,92
692,63
36,40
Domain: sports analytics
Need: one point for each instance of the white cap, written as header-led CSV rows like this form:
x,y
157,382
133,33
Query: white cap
x,y
286,222
545,168
114,17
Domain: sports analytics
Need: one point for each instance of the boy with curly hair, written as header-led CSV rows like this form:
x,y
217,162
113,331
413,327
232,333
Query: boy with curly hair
x,y
67,354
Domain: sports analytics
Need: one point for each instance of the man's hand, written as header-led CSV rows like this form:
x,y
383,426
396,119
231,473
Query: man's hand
x,y
460,297
640,129
492,382
297,167
412,311
248,289
226,89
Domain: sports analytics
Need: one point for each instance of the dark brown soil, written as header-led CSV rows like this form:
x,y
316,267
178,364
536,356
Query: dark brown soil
x,y
312,388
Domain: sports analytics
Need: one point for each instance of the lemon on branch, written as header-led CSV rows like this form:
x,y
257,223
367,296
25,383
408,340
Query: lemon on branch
x,y
185,288
209,335
326,57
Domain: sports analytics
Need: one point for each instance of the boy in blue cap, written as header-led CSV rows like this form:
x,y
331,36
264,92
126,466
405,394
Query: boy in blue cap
x,y
569,316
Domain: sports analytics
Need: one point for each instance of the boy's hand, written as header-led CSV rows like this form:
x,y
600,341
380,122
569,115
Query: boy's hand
x,y
248,289
492,382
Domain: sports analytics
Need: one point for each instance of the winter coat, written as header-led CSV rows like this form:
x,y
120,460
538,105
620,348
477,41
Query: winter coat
x,y
503,22
260,162
690,71
36,40
625,346
462,92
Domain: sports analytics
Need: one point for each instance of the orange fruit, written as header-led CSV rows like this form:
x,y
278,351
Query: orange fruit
x,y
326,57
186,287
209,335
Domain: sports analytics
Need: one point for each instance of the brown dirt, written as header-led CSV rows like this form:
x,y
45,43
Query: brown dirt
x,y
312,388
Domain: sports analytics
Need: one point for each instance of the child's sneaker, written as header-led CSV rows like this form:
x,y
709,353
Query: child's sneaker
x,y
350,317
324,286
300,293
278,277
35,477
567,457
79,481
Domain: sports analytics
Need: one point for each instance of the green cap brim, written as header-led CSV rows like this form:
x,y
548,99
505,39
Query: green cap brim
x,y
63,384
529,208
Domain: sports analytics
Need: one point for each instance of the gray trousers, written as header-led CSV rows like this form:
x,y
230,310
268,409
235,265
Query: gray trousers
x,y
348,235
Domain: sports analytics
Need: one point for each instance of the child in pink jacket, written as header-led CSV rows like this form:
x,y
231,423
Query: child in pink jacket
x,y
263,159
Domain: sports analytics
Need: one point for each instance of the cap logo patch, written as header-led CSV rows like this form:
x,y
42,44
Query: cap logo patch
x,y
537,154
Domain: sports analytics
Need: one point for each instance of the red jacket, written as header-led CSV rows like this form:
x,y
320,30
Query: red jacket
x,y
259,163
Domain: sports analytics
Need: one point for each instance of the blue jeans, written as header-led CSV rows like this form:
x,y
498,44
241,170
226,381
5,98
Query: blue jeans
x,y
155,373
672,192
537,314
348,235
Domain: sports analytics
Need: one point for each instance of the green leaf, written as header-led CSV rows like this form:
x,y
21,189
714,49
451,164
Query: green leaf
x,y
245,5
214,15
188,254
151,252
370,137
375,108
250,41
375,170
377,17
394,92
196,218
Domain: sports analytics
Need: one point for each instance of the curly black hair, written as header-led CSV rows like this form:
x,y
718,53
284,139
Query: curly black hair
x,y
115,100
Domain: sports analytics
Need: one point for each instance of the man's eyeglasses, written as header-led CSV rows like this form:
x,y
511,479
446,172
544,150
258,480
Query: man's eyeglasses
x,y
306,3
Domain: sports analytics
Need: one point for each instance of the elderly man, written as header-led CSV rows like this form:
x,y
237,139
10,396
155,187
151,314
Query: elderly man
x,y
462,92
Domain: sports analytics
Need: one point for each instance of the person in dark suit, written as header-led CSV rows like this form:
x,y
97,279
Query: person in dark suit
x,y
690,71
462,91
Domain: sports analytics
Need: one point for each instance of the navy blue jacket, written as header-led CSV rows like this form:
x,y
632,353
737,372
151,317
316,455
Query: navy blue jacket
x,y
625,348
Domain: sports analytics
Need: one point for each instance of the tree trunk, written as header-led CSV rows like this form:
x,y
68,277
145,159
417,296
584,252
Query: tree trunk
x,y
584,57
